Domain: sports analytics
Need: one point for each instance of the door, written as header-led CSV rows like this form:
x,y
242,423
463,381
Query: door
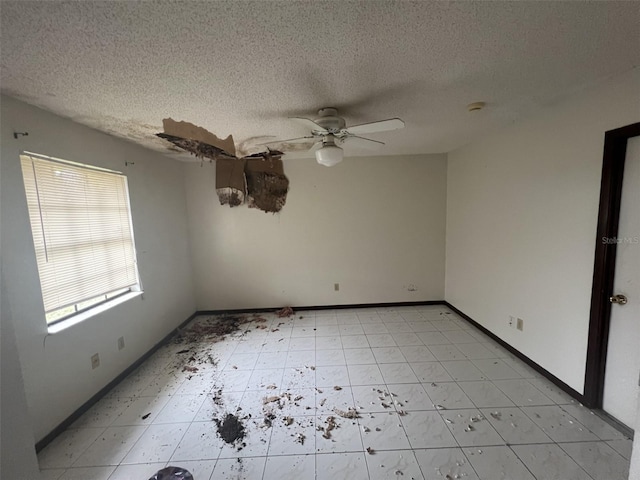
x,y
623,353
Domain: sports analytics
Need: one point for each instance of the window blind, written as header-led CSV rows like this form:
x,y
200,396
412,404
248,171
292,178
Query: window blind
x,y
82,232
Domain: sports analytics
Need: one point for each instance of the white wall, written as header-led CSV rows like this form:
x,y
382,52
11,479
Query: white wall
x,y
57,369
522,208
634,470
17,446
374,225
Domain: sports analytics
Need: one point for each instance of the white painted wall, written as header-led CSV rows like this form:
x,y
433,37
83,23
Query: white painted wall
x,y
522,209
374,225
634,469
17,446
57,369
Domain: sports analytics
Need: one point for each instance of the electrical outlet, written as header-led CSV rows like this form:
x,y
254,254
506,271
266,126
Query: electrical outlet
x,y
336,286
520,324
95,361
512,321
120,343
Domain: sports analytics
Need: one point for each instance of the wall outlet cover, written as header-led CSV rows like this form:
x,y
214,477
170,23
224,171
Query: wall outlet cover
x,y
520,324
120,343
95,361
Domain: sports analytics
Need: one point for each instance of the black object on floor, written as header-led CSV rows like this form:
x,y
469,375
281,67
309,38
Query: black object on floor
x,y
172,473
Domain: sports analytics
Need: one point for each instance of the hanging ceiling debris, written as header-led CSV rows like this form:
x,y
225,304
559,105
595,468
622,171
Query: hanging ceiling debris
x,y
257,180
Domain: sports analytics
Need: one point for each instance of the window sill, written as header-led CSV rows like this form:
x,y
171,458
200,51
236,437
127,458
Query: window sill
x,y
81,317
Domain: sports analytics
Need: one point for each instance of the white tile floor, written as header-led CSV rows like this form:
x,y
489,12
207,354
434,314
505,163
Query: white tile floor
x,y
436,399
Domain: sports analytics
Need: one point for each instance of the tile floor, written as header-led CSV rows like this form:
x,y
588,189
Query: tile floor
x,y
435,398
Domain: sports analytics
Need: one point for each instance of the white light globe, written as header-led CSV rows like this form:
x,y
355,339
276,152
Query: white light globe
x,y
329,155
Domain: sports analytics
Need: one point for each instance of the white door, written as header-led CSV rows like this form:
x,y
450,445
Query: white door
x,y
623,354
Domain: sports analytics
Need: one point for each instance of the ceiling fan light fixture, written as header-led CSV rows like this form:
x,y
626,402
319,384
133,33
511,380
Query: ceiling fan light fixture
x,y
329,155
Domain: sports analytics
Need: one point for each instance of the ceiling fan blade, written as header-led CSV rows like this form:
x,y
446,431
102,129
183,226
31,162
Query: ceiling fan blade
x,y
313,126
288,140
374,127
300,144
356,141
362,140
297,147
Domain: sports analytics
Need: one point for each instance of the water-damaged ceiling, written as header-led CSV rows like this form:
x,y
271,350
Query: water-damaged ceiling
x,y
243,67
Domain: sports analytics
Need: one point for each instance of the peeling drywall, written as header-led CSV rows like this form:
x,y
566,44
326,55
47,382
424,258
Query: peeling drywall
x,y
257,179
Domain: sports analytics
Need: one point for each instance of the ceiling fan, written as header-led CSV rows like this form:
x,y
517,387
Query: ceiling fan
x,y
328,131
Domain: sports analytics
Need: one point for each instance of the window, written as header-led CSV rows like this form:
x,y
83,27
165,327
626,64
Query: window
x,y
82,233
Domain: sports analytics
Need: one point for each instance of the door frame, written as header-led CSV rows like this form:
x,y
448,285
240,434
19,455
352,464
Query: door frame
x,y
615,150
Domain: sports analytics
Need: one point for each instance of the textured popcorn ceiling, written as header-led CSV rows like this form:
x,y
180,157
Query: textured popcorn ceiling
x,y
242,67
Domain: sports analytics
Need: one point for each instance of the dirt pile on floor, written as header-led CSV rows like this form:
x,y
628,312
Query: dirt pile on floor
x,y
285,312
216,329
230,429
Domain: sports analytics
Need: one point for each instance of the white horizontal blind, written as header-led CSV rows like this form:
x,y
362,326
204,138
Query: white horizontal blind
x,y
82,232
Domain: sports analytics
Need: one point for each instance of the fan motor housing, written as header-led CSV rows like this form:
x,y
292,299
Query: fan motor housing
x,y
329,120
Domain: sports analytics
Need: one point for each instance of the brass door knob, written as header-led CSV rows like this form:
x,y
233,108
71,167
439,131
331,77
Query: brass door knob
x,y
619,299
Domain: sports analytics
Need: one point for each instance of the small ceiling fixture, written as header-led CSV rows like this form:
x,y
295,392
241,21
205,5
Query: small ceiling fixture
x,y
474,107
329,154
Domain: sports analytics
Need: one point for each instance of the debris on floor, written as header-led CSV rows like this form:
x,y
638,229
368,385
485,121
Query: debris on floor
x,y
271,399
209,330
269,417
215,329
217,397
297,411
330,425
350,413
285,312
231,430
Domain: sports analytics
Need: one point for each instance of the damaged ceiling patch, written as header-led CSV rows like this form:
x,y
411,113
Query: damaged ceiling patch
x,y
257,180
267,185
231,182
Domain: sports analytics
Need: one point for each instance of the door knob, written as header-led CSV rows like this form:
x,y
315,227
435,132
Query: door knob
x,y
619,299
